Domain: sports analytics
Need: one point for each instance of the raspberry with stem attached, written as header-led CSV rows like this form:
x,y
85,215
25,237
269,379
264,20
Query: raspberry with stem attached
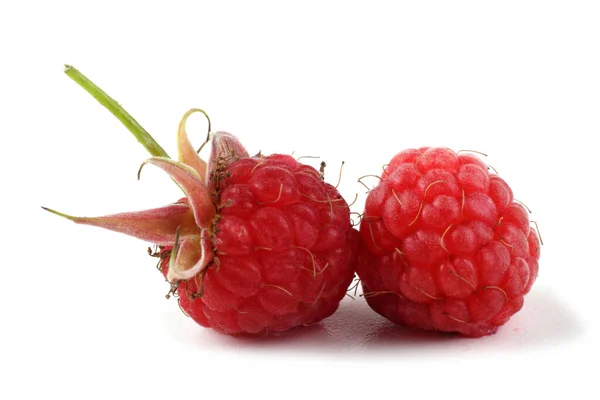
x,y
259,244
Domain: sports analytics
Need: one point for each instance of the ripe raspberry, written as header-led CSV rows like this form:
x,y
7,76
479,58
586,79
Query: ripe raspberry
x,y
259,244
284,250
445,245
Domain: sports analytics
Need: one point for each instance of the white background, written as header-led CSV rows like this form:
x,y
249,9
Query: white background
x,y
83,312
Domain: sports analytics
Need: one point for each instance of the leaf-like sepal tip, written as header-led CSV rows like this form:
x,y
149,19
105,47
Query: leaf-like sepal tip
x,y
157,225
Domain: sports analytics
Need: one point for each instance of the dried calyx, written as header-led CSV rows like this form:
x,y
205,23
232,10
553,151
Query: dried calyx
x,y
186,225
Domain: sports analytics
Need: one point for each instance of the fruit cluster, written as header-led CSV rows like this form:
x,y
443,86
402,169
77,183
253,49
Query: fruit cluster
x,y
261,245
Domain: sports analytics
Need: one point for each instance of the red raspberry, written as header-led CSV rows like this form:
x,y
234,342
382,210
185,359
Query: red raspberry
x,y
445,245
259,244
263,245
284,250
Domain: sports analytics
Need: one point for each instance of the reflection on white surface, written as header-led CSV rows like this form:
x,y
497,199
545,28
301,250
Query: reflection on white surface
x,y
545,320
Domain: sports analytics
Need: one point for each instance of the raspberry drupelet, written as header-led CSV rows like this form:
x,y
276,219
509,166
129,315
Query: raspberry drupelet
x,y
445,245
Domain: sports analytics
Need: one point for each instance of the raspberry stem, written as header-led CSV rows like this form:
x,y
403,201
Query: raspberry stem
x,y
111,105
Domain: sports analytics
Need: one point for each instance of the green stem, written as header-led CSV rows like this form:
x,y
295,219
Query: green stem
x,y
111,105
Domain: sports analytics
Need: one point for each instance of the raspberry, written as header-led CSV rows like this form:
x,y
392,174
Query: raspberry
x,y
283,258
259,245
445,246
